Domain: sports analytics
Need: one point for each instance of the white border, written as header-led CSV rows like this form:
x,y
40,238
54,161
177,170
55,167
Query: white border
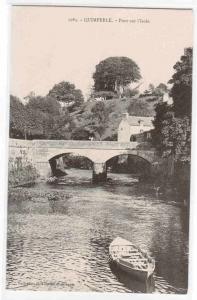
x,y
4,122
110,3
4,116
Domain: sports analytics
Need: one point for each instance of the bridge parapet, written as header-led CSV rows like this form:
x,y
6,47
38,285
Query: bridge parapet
x,y
74,144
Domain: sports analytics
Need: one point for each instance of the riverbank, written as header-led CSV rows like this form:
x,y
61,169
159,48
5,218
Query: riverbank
x,y
21,173
33,193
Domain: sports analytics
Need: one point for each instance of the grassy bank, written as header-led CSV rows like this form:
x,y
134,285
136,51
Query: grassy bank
x,y
21,174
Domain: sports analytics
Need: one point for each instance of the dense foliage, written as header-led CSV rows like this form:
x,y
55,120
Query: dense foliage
x,y
93,123
81,162
140,108
181,91
18,118
103,94
67,93
115,73
172,134
40,117
20,174
44,118
159,90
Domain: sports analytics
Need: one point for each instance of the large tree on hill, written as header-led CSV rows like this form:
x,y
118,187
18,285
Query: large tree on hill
x,y
67,93
115,73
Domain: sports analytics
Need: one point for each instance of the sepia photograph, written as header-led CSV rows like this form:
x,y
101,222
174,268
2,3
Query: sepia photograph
x,y
99,149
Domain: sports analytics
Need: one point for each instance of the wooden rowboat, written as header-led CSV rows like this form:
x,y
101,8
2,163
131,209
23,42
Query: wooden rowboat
x,y
131,259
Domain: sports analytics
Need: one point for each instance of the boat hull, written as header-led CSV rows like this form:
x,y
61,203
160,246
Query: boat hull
x,y
137,274
131,259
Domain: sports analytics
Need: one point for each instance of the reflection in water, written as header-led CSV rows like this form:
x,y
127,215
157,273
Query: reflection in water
x,y
58,239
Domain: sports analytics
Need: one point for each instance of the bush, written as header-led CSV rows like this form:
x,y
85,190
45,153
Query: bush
x,y
19,194
80,134
140,108
104,94
20,174
77,161
129,93
152,99
113,137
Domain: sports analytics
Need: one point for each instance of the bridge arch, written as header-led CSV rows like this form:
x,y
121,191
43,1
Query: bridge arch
x,y
132,155
139,165
56,153
68,153
57,163
148,156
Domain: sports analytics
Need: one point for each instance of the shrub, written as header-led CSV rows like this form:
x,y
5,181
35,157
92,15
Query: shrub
x,y
129,93
20,174
104,94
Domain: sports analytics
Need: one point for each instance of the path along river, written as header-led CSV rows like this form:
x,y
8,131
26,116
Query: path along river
x,y
62,244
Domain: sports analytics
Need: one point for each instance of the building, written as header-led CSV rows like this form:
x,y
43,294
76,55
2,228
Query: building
x,y
135,128
166,98
66,104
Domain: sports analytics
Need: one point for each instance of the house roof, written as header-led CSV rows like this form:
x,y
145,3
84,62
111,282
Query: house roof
x,y
135,120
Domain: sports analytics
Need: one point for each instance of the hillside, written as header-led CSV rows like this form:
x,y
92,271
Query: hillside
x,y
138,106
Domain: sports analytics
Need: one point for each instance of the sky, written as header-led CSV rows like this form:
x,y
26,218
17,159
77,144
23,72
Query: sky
x,y
48,47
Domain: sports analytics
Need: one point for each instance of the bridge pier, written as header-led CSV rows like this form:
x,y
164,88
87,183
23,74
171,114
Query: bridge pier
x,y
99,173
57,166
43,168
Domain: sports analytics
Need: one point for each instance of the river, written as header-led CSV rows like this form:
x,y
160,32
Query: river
x,y
61,243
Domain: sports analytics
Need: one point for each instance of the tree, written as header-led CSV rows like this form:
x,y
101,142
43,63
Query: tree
x,y
61,126
46,104
171,136
163,87
42,112
151,88
18,118
176,138
93,123
106,95
80,134
99,118
181,91
129,93
172,133
140,108
163,112
160,90
40,118
67,93
115,73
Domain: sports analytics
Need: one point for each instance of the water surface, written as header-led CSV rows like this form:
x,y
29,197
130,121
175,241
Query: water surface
x,y
62,243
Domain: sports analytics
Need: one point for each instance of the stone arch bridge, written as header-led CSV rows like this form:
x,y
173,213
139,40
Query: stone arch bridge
x,y
41,152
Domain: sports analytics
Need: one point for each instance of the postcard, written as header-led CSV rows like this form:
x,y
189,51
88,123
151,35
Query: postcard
x,y
99,149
